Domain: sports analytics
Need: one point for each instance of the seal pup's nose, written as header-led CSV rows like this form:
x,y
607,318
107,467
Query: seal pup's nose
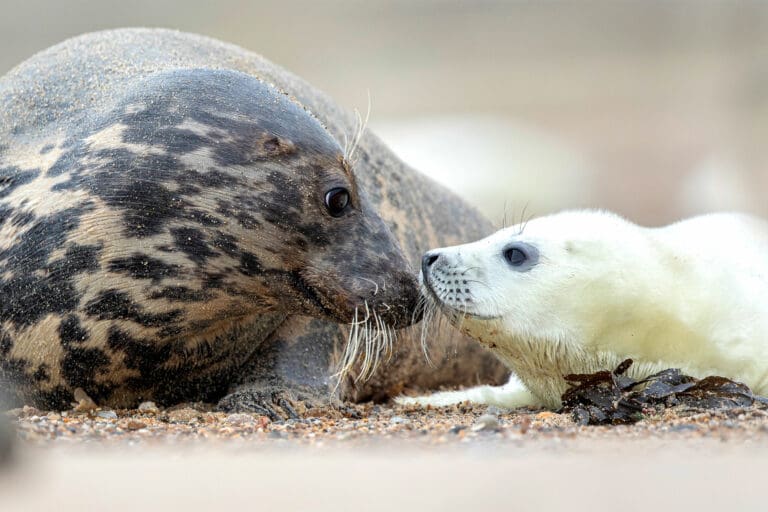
x,y
428,260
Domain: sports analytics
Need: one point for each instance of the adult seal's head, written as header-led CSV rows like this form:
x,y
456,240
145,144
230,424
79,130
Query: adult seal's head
x,y
198,201
581,291
234,181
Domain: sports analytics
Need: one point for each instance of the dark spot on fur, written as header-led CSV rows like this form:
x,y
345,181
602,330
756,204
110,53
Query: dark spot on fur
x,y
77,259
13,370
247,220
147,207
42,374
46,149
37,287
282,205
80,367
297,283
145,356
13,374
212,178
117,305
71,160
5,214
169,331
21,219
250,264
300,243
143,266
70,331
226,243
174,140
200,325
130,182
225,208
192,242
213,281
58,399
12,178
180,294
202,217
315,232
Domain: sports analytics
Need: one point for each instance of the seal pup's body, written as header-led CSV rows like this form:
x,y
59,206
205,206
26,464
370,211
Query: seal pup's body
x,y
581,291
166,228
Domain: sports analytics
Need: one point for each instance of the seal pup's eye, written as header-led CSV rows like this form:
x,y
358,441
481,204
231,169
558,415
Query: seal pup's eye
x,y
521,256
515,256
336,201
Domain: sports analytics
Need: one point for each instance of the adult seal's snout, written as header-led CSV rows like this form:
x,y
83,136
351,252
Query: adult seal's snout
x,y
403,311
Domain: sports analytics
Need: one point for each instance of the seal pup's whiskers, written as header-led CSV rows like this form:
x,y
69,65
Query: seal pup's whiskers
x,y
430,323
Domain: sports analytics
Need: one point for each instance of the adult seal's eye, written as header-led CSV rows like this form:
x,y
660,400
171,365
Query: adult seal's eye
x,y
520,256
336,201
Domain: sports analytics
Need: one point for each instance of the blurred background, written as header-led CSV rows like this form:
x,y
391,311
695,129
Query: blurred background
x,y
656,109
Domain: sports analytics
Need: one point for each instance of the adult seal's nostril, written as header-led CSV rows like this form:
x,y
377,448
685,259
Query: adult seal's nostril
x,y
427,261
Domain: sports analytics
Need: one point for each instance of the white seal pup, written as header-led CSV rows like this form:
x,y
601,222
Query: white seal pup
x,y
581,291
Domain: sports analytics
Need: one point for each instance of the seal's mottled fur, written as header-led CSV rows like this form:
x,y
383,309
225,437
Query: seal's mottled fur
x,y
163,233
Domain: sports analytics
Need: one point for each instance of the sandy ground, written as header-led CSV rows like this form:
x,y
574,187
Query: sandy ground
x,y
384,458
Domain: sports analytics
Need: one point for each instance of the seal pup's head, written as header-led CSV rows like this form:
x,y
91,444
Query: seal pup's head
x,y
550,296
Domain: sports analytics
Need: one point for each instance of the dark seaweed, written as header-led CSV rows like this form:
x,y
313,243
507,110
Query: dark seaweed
x,y
607,397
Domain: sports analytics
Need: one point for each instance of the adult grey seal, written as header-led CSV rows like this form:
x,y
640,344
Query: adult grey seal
x,y
581,291
178,216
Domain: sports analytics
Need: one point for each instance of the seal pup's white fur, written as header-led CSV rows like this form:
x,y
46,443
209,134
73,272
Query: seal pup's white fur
x,y
588,289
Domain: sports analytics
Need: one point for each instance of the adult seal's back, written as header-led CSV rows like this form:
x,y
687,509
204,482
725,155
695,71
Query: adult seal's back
x,y
177,217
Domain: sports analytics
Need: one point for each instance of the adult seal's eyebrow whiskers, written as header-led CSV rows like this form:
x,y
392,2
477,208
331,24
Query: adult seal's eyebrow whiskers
x,y
351,144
